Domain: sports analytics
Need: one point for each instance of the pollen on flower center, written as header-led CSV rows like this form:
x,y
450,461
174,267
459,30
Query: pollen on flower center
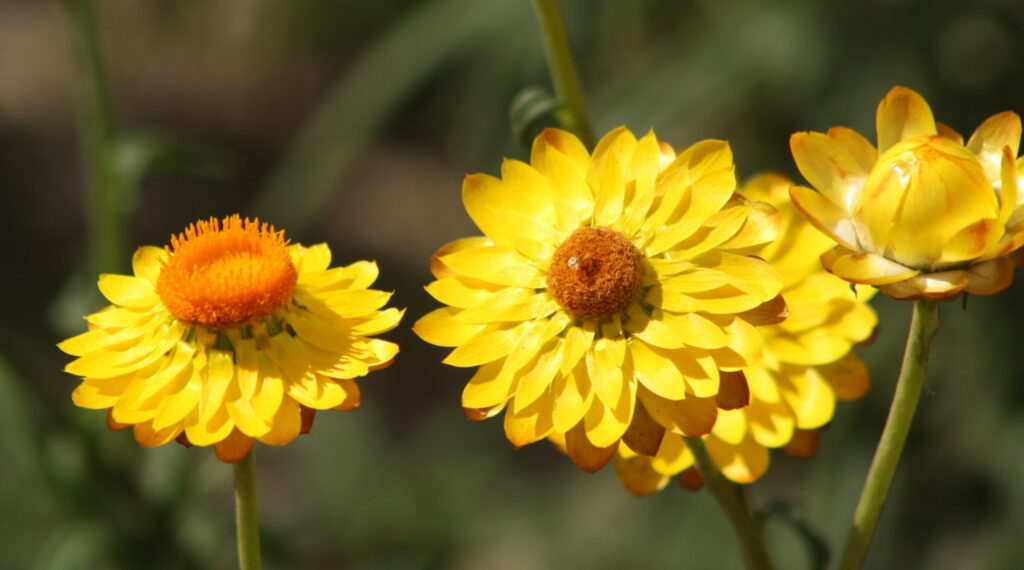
x,y
595,272
220,273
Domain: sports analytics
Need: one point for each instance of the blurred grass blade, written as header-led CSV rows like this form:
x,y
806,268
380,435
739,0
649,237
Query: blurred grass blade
x,y
531,110
361,101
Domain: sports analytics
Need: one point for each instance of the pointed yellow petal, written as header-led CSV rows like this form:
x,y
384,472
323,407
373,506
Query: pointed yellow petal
x,y
989,139
867,268
743,463
127,291
657,371
837,163
286,424
902,114
823,214
439,327
147,263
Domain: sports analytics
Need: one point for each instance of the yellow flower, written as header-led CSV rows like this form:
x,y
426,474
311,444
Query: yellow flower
x,y
230,335
607,291
923,215
806,366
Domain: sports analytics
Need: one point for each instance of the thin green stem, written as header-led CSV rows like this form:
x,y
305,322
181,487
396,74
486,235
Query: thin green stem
x,y
733,501
246,513
563,71
923,326
107,199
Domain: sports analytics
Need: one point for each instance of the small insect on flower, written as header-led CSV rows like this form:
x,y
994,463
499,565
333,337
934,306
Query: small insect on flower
x,y
230,335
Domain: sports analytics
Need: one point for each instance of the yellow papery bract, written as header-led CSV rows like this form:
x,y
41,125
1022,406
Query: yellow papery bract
x,y
663,253
805,362
915,216
229,385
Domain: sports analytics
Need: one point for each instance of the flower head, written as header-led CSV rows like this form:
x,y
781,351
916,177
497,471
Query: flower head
x,y
922,215
607,293
790,394
230,335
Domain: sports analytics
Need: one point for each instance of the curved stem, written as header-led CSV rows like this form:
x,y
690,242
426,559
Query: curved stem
x,y
246,515
107,195
733,501
923,326
563,71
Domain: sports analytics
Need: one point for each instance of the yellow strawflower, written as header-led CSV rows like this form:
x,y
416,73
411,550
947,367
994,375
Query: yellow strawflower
x,y
230,335
607,292
922,215
806,365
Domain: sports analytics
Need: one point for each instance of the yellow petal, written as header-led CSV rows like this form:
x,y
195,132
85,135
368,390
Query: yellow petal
x,y
439,327
530,424
585,454
149,437
127,291
771,425
990,277
234,447
461,292
637,476
743,463
866,268
286,424
989,139
509,304
604,425
810,397
847,376
826,216
208,431
657,371
513,215
731,426
495,264
147,263
539,377
573,398
692,417
562,159
604,366
837,164
902,114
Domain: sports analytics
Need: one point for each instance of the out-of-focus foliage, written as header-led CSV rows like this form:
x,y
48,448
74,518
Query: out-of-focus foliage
x,y
353,122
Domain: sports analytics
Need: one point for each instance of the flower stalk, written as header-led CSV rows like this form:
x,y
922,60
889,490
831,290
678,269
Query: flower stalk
x,y
246,514
108,200
562,68
733,501
923,326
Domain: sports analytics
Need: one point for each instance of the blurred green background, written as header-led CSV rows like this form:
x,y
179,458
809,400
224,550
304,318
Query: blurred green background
x,y
352,122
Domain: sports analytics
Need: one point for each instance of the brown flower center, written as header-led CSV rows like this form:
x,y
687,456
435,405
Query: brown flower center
x,y
596,272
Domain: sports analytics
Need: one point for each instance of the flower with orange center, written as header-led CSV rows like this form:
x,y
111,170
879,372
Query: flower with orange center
x,y
608,292
230,335
806,366
922,215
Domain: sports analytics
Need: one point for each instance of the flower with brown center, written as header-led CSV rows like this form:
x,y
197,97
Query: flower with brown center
x,y
608,292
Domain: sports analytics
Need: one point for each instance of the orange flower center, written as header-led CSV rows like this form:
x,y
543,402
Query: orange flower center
x,y
595,272
222,273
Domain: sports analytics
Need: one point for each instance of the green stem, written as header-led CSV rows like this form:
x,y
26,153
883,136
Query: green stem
x,y
246,516
107,199
923,327
733,501
563,70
